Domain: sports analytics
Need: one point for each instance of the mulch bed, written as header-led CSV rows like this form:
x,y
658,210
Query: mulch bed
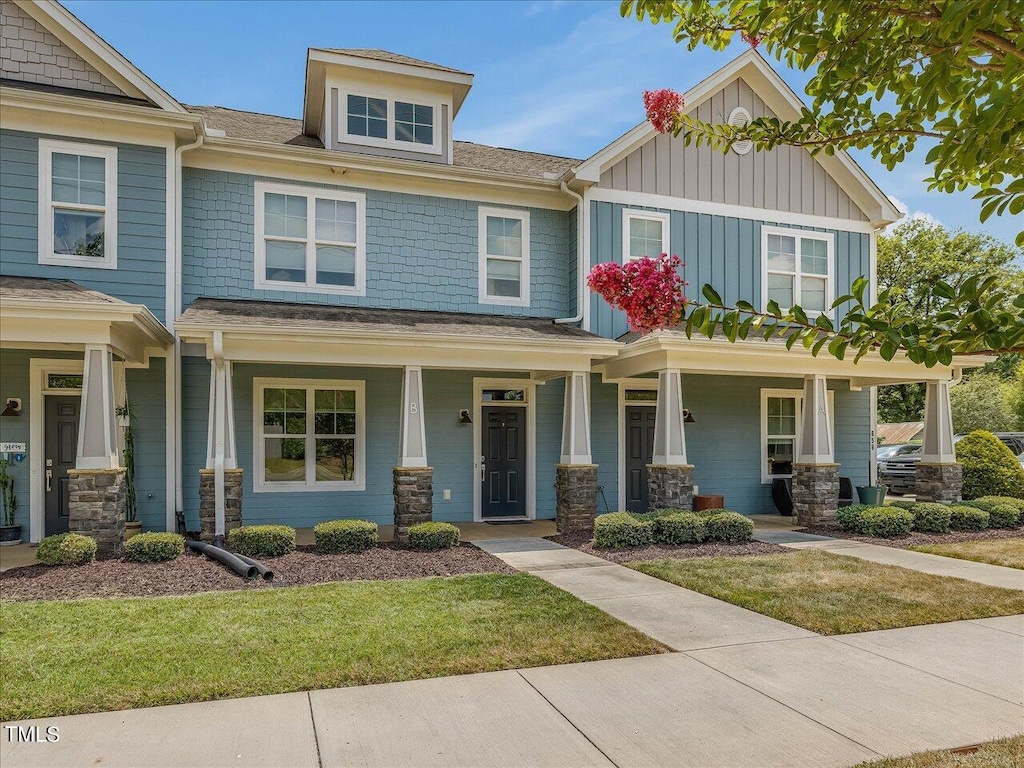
x,y
916,538
584,543
192,573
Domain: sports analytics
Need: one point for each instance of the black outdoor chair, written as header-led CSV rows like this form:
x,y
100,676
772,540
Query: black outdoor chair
x,y
782,494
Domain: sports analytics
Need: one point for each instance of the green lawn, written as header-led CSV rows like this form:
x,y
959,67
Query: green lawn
x,y
832,594
1004,753
92,655
1008,552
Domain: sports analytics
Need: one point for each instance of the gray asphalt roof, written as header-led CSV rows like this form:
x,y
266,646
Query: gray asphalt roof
x,y
379,54
45,289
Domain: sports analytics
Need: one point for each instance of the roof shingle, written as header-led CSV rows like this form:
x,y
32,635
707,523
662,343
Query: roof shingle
x,y
379,54
47,289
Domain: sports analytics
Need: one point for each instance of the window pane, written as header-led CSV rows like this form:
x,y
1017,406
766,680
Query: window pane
x,y
347,400
295,423
76,233
812,293
368,117
325,399
642,395
424,134
781,454
503,395
64,381
78,179
284,460
504,237
335,459
503,278
286,262
324,424
404,131
273,422
782,253
414,122
335,265
782,416
284,215
814,256
335,221
295,399
780,288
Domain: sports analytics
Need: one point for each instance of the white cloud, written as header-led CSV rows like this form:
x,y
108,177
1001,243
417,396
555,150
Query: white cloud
x,y
909,215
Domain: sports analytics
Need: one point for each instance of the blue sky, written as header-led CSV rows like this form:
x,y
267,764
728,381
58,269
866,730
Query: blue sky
x,y
551,76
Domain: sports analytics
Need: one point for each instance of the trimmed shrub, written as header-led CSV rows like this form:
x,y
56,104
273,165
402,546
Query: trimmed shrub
x,y
886,522
262,540
66,549
729,527
1000,514
849,518
900,504
964,518
334,536
680,528
990,468
930,517
621,529
655,514
154,547
433,536
1013,502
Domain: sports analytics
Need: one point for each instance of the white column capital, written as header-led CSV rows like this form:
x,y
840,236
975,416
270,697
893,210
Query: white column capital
x,y
669,435
817,445
97,434
576,419
938,446
412,445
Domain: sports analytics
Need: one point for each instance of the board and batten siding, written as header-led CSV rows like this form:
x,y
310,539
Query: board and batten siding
x,y
141,221
421,252
721,250
781,179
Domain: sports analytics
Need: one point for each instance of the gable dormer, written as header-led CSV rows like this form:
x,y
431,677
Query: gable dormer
x,y
380,103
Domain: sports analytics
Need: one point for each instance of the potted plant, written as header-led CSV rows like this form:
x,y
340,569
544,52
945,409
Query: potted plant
x,y
10,532
132,524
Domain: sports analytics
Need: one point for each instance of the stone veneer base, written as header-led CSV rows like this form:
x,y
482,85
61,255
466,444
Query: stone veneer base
x,y
670,486
96,507
414,499
207,502
575,497
815,493
938,482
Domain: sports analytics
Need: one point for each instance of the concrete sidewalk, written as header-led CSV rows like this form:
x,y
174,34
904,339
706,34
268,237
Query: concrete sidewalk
x,y
810,701
983,573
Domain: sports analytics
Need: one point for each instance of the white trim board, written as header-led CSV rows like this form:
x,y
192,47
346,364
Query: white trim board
x,y
529,403
624,384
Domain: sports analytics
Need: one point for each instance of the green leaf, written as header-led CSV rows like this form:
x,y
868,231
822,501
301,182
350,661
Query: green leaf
x,y
711,295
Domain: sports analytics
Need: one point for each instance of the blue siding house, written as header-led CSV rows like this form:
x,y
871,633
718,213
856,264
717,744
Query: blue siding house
x,y
350,313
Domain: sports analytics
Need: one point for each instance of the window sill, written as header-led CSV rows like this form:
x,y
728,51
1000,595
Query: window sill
x,y
499,302
332,290
318,488
84,262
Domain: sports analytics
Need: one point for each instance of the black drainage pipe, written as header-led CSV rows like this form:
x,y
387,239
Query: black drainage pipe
x,y
242,568
263,571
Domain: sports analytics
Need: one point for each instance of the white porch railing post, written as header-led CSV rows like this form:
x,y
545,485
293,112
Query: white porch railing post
x,y
815,472
669,436
817,445
576,474
576,419
937,477
413,439
221,433
97,434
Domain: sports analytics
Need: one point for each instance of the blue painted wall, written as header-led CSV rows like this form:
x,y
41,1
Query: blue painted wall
x,y
421,251
722,251
141,234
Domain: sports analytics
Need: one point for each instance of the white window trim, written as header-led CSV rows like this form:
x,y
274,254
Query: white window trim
x,y
47,148
524,275
390,142
261,189
830,282
260,485
798,395
628,214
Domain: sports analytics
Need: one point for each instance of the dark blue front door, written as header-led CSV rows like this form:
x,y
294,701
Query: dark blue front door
x,y
504,470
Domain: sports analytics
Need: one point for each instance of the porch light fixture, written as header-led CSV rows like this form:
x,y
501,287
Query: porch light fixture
x,y
464,417
688,416
13,407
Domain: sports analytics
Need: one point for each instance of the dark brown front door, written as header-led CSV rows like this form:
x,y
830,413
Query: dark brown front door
x,y
60,452
504,475
639,452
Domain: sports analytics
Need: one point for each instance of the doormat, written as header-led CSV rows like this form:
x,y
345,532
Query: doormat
x,y
509,522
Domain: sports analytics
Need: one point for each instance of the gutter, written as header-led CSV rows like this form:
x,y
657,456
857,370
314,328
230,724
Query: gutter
x,y
581,256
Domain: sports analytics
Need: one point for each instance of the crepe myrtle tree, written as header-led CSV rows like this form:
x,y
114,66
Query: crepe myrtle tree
x,y
884,75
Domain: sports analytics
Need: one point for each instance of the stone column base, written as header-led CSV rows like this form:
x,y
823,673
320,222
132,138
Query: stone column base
x,y
208,502
815,493
670,486
575,497
938,482
96,507
414,499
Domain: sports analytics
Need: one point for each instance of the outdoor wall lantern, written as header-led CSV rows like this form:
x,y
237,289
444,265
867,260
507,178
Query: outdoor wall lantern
x,y
464,417
13,407
688,416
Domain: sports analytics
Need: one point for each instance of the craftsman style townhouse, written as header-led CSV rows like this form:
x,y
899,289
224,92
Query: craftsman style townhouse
x,y
354,314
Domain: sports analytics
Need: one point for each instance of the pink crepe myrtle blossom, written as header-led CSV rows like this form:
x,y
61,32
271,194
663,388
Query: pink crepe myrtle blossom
x,y
753,40
662,108
649,290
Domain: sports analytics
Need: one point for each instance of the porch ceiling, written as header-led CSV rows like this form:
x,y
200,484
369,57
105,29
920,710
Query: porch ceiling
x,y
663,350
40,313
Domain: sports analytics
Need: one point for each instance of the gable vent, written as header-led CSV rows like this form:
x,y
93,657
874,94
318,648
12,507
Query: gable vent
x,y
738,118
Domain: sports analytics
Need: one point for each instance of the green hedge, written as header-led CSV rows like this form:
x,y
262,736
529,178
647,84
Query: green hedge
x,y
1012,501
1000,514
989,467
901,504
66,549
930,517
886,522
964,518
262,540
334,536
680,528
621,529
433,536
849,518
729,527
154,547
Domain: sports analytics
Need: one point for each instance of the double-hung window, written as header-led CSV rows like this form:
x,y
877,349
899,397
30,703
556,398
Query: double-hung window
x,y
780,430
310,435
504,240
77,204
310,239
644,233
798,269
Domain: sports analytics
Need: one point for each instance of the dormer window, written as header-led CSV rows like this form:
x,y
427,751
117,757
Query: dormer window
x,y
367,117
414,122
390,122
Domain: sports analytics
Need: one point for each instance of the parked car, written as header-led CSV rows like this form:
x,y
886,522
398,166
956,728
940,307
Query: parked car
x,y
898,470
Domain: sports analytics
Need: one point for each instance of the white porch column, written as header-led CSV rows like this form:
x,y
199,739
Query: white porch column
x,y
412,447
97,435
220,442
576,419
816,442
669,438
938,477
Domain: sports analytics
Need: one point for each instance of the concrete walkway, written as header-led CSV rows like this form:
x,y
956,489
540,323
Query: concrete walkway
x,y
983,573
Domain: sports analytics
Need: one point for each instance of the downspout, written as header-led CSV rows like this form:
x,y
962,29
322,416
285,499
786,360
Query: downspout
x,y
179,494
581,256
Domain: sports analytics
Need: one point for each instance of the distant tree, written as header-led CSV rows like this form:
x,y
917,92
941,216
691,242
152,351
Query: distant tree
x,y
982,402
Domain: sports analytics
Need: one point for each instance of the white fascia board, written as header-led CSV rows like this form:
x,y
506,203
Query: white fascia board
x,y
52,313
